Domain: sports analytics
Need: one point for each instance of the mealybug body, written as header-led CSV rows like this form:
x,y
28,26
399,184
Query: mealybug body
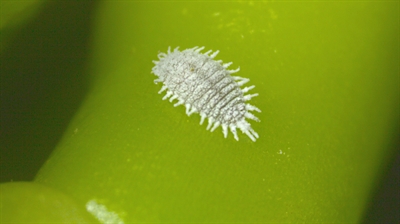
x,y
205,86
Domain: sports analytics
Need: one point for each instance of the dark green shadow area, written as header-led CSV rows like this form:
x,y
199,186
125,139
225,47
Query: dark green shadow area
x,y
384,205
43,82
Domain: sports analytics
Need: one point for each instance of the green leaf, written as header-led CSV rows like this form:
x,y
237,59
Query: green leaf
x,y
13,14
23,202
327,77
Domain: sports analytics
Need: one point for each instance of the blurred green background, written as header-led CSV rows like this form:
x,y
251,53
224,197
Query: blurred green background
x,y
75,76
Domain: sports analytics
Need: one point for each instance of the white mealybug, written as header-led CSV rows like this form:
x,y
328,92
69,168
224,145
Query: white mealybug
x,y
205,86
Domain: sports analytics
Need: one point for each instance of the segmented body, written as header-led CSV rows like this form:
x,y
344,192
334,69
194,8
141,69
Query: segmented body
x,y
205,86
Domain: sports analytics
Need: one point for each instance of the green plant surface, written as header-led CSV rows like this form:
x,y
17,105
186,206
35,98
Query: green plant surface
x,y
327,77
14,14
27,202
43,81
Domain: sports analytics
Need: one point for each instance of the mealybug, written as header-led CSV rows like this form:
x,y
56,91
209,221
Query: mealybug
x,y
205,86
